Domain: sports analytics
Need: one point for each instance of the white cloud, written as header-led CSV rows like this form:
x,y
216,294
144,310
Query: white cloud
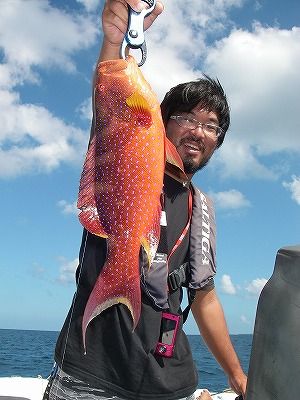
x,y
257,5
253,288
259,71
256,286
178,40
85,109
37,271
33,34
230,199
226,285
244,319
68,208
294,188
32,138
90,5
67,271
243,164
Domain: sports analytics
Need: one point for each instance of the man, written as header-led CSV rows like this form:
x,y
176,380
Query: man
x,y
120,364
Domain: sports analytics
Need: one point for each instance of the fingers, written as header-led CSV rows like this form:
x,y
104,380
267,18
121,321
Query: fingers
x,y
138,6
155,13
205,395
115,13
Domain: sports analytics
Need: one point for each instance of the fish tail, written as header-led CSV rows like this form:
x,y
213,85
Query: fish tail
x,y
106,294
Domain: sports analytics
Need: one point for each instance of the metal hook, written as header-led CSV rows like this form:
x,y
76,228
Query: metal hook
x,y
134,37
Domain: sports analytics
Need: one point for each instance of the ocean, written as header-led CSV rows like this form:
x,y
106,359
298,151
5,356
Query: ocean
x,y
30,353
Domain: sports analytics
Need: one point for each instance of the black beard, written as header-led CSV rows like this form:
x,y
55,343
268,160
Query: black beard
x,y
191,168
189,165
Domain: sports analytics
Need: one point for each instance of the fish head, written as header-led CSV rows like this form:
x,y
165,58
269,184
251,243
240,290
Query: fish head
x,y
122,90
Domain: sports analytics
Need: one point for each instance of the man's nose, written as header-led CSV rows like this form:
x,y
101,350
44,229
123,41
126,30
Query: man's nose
x,y
199,132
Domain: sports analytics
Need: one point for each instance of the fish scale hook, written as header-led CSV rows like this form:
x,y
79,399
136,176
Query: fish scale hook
x,y
134,37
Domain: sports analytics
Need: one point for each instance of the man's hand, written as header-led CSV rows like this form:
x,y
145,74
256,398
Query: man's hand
x,y
115,21
238,384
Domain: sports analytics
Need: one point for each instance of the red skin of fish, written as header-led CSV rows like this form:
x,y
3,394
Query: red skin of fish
x,y
121,183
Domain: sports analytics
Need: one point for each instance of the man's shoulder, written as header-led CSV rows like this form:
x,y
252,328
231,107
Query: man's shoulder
x,y
197,191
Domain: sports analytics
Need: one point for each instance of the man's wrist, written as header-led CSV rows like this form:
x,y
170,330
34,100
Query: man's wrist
x,y
109,51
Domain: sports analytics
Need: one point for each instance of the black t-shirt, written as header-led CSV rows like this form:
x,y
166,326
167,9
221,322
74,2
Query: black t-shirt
x,y
117,359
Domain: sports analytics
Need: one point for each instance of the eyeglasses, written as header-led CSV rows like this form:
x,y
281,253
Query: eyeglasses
x,y
211,130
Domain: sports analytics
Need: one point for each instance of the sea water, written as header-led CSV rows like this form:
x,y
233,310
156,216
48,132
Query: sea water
x,y
30,353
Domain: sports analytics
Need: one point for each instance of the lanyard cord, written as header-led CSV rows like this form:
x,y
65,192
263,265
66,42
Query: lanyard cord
x,y
186,228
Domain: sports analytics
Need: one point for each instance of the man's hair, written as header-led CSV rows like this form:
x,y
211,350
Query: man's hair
x,y
205,92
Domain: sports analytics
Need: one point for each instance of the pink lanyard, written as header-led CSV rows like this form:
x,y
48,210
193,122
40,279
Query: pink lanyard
x,y
187,227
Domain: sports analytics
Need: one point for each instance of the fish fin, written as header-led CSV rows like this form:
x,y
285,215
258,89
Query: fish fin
x,y
174,162
147,247
172,155
86,202
106,294
140,107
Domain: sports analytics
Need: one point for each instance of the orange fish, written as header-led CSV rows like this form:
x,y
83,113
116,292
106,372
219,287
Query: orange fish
x,y
121,182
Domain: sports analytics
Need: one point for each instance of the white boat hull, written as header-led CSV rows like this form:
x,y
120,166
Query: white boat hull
x,y
33,389
25,388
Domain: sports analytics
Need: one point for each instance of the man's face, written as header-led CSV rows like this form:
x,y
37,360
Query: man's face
x,y
193,145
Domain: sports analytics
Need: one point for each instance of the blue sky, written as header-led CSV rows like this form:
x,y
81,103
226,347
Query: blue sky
x,y
48,50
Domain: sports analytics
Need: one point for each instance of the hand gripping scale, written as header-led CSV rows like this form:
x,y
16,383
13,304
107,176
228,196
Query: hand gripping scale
x,y
134,37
